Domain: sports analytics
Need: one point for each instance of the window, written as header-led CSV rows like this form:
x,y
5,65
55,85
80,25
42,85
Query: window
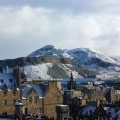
x,y
40,109
14,92
5,102
30,99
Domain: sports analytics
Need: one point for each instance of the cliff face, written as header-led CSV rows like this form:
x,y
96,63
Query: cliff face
x,y
34,60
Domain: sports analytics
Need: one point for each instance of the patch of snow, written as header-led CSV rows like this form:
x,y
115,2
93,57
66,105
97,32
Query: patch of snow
x,y
39,71
68,71
117,91
98,82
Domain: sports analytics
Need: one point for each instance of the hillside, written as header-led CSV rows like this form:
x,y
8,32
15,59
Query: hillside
x,y
85,57
50,62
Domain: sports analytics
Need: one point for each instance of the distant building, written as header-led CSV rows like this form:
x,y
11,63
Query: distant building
x,y
112,95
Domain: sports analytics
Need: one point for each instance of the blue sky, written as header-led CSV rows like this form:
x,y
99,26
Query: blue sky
x,y
27,25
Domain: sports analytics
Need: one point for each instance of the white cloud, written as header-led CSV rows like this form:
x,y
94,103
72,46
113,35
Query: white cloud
x,y
25,29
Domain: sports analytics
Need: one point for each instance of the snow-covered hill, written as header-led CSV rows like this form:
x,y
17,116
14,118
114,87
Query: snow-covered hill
x,y
50,63
84,57
94,60
48,71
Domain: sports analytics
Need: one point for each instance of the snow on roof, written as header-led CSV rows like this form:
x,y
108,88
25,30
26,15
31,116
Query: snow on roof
x,y
18,103
40,90
117,91
88,109
8,79
112,111
91,108
98,82
61,105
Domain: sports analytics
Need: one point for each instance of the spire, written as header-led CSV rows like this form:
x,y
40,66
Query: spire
x,y
71,77
71,83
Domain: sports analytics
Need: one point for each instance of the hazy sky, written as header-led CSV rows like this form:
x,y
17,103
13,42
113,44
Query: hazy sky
x,y
27,25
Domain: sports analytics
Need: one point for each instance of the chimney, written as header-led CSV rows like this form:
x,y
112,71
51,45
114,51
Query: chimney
x,y
17,73
52,85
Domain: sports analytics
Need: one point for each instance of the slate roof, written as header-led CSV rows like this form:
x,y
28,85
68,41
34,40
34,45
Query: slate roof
x,y
86,110
8,79
40,90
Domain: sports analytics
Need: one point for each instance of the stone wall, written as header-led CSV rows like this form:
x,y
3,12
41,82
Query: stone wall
x,y
7,101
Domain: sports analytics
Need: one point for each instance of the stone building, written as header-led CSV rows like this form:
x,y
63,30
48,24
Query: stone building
x,y
9,93
37,97
42,99
32,98
96,94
